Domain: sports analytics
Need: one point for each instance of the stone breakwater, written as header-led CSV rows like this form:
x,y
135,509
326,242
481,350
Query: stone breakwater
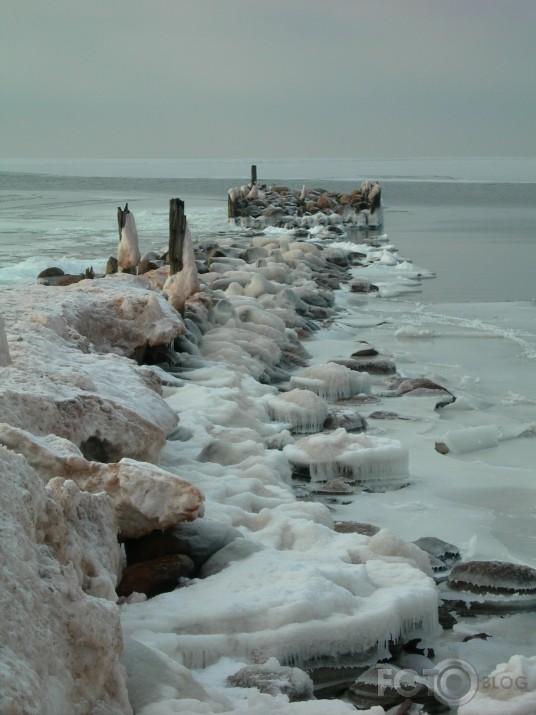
x,y
258,206
182,460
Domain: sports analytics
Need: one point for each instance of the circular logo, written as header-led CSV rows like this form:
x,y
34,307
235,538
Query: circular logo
x,y
455,682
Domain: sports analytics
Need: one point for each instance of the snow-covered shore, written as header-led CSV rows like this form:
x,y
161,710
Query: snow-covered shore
x,y
224,422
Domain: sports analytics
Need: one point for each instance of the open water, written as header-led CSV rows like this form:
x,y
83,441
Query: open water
x,y
471,221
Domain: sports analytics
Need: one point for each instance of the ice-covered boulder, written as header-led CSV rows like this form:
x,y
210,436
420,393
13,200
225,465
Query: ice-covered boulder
x,y
304,410
60,382
144,497
375,463
60,629
273,678
331,381
307,607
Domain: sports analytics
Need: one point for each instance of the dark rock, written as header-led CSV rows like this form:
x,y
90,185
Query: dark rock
x,y
150,261
111,265
95,449
234,551
274,679
384,415
355,527
50,272
441,447
360,285
443,550
403,386
334,486
443,403
61,280
493,577
350,419
373,367
157,576
446,619
364,350
198,539
481,636
373,688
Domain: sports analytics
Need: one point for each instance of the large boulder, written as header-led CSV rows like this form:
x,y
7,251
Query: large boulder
x,y
144,496
68,375
60,563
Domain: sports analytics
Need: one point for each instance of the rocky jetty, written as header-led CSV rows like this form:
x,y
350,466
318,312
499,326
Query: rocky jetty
x,y
257,206
168,459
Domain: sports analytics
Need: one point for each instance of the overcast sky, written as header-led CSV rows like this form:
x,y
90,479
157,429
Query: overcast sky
x,y
267,78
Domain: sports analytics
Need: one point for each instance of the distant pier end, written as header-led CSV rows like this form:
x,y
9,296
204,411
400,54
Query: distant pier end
x,y
257,205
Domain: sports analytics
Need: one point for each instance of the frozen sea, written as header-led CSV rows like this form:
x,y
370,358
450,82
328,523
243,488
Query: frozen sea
x,y
471,223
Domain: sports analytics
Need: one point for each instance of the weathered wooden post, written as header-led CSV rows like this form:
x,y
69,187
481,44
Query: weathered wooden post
x,y
231,209
253,174
128,252
177,229
121,218
183,280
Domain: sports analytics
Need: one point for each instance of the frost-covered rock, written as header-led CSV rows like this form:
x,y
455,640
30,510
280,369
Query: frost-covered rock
x,y
144,497
331,381
273,678
59,381
304,410
493,577
60,629
327,599
376,463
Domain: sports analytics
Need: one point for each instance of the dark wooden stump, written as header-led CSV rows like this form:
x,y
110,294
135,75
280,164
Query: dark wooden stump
x,y
177,230
230,207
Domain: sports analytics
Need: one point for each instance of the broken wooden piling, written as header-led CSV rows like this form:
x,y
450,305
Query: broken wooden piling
x,y
177,229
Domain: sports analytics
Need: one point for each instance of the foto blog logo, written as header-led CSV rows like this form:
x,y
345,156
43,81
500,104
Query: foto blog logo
x,y
453,682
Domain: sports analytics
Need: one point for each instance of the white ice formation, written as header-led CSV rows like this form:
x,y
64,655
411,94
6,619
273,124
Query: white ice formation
x,y
180,286
471,439
375,463
304,410
128,251
331,381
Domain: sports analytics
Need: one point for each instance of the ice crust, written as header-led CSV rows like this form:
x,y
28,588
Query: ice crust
x,y
304,410
331,381
373,462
